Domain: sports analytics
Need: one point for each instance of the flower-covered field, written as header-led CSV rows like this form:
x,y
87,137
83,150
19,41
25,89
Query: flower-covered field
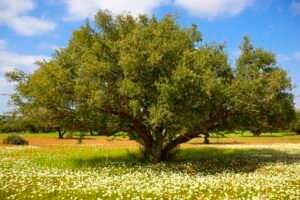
x,y
90,172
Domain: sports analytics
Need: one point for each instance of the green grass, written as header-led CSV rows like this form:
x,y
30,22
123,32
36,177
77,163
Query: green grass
x,y
82,157
90,172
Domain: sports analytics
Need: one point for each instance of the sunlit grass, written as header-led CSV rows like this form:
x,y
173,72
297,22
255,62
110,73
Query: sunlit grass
x,y
90,172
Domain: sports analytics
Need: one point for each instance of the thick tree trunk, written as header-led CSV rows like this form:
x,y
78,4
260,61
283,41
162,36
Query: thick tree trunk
x,y
153,150
153,154
156,152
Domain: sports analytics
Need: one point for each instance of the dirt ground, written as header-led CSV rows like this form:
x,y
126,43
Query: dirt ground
x,y
197,142
104,142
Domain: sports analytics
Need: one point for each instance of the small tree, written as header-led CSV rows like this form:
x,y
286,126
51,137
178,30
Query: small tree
x,y
270,110
150,78
15,140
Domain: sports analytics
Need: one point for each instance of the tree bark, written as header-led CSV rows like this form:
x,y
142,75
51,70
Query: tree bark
x,y
153,153
158,152
60,135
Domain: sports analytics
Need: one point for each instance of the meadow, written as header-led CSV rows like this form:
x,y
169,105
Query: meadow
x,y
235,167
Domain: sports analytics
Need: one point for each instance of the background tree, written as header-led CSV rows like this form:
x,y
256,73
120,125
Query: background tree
x,y
14,122
148,77
295,125
267,89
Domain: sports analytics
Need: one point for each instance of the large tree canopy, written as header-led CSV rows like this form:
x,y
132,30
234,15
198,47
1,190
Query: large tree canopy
x,y
152,79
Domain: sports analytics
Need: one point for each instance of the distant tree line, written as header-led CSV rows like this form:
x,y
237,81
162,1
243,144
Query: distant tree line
x,y
13,124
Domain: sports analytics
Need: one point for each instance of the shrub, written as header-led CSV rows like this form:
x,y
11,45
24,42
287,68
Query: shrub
x,y
297,130
15,139
133,136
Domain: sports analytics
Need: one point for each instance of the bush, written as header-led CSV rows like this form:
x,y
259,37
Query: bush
x,y
15,139
297,131
133,136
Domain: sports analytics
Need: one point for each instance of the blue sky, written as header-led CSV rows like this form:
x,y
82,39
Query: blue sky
x,y
32,29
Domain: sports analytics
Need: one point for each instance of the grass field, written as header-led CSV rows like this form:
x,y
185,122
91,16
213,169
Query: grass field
x,y
231,168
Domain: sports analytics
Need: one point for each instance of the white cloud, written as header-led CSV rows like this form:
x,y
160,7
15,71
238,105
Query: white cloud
x,y
10,61
14,14
2,44
80,9
28,26
295,7
214,8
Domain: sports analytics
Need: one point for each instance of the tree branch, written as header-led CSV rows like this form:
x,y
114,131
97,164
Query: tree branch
x,y
137,126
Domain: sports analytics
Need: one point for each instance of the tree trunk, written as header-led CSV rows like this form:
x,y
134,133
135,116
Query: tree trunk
x,y
153,151
153,154
91,132
206,140
157,152
60,133
81,137
256,133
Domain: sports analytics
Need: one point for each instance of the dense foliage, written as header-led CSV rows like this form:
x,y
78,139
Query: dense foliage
x,y
153,79
295,125
11,123
270,106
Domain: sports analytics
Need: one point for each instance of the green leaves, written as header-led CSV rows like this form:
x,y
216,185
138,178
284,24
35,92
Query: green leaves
x,y
263,91
129,89
159,116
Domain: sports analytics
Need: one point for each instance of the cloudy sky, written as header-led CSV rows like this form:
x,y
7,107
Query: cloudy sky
x,y
31,30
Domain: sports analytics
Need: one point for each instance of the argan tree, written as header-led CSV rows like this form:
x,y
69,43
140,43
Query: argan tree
x,y
269,110
150,78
